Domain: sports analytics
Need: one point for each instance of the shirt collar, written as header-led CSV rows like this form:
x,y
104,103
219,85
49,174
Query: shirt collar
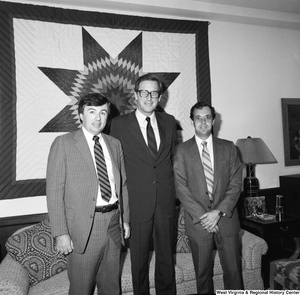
x,y
208,140
89,136
142,118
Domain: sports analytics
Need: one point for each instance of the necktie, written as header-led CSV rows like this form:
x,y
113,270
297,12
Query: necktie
x,y
208,171
102,170
151,139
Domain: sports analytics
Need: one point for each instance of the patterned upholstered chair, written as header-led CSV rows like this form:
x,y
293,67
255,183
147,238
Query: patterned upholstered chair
x,y
287,272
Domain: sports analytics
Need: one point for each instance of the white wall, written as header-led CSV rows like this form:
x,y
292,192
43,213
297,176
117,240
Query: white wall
x,y
252,68
23,206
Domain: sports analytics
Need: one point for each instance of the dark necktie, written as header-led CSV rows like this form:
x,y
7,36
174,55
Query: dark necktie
x,y
151,139
208,171
102,170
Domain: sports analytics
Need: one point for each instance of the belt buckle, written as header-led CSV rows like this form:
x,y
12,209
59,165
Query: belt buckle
x,y
105,209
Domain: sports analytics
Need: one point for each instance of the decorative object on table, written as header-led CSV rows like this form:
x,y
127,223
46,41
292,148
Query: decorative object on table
x,y
291,130
266,217
253,151
255,206
279,207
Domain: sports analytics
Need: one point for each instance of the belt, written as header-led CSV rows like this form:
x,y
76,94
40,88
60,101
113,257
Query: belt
x,y
107,208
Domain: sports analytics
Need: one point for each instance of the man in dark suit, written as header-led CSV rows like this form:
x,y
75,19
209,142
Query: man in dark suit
x,y
208,179
148,161
85,210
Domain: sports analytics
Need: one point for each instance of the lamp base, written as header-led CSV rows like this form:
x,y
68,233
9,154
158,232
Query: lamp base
x,y
251,184
251,187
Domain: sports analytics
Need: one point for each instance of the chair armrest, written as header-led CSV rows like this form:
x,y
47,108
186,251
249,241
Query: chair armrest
x,y
13,277
253,247
297,250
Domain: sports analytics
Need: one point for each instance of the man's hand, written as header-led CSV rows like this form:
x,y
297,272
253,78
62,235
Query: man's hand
x,y
64,244
209,220
215,230
126,230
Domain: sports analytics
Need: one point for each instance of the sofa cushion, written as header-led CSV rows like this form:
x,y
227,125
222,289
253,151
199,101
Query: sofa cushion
x,y
34,248
182,241
185,262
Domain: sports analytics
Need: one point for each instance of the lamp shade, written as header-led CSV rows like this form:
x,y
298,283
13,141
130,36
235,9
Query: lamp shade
x,y
254,151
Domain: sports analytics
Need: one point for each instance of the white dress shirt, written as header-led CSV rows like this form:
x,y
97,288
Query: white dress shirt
x,y
143,125
91,143
209,147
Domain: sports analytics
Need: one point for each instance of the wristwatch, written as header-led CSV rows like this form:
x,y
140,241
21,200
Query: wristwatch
x,y
221,214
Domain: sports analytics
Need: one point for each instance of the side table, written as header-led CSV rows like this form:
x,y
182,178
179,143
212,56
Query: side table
x,y
277,234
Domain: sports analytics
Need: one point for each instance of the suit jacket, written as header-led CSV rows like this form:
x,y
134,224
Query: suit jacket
x,y
191,188
148,180
72,185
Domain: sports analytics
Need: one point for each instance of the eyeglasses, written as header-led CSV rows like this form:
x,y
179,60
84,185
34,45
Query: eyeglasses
x,y
207,118
145,94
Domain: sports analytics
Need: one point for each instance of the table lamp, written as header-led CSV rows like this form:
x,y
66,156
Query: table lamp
x,y
253,151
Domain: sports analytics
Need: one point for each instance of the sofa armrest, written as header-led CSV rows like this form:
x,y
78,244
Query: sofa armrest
x,y
253,247
13,277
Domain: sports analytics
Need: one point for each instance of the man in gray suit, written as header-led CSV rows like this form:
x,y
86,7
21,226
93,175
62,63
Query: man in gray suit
x,y
86,204
208,179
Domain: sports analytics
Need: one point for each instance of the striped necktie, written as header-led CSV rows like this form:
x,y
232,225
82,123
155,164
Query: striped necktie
x,y
102,170
151,139
208,171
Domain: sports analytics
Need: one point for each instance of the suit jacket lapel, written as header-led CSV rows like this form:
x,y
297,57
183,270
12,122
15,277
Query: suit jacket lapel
x,y
83,147
135,129
196,158
162,133
113,157
218,155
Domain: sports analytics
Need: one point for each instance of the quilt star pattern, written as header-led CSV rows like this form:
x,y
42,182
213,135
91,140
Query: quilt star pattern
x,y
113,77
51,57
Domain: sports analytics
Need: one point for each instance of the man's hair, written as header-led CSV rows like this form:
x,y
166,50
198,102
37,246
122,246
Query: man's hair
x,y
148,77
200,105
92,99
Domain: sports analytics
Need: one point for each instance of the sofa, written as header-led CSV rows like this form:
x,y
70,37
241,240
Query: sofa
x,y
33,267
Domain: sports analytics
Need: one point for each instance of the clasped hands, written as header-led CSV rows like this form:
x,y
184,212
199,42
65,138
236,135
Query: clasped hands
x,y
209,221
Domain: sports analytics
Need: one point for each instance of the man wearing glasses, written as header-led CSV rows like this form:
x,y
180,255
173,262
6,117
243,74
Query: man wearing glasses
x,y
148,139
